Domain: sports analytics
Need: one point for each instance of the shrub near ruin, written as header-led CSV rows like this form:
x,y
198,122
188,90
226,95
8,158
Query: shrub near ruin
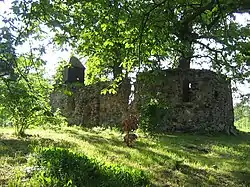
x,y
129,126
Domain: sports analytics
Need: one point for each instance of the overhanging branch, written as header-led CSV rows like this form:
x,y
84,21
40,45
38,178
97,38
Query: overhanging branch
x,y
144,22
201,10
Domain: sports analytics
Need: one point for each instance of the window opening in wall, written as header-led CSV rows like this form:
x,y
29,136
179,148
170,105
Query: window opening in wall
x,y
216,94
186,91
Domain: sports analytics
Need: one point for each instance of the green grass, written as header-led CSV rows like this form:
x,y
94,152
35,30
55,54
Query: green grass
x,y
243,124
170,160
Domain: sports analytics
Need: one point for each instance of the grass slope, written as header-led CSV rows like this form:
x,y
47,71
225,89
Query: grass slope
x,y
170,160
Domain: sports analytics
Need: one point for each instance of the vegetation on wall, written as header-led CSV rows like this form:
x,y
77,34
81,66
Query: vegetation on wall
x,y
152,116
152,106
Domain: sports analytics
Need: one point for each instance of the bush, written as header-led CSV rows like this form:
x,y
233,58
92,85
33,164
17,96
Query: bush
x,y
154,116
60,167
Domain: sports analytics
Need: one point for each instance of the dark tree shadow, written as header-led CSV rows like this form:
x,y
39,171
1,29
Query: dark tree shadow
x,y
194,149
11,147
14,152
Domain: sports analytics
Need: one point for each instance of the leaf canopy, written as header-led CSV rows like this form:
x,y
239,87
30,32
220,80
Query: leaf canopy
x,y
119,36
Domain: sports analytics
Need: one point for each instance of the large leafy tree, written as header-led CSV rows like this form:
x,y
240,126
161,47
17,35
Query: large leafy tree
x,y
119,35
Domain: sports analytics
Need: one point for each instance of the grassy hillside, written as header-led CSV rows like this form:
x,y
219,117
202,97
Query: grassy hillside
x,y
169,160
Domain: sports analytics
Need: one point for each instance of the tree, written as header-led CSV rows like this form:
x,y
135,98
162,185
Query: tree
x,y
120,35
24,93
25,98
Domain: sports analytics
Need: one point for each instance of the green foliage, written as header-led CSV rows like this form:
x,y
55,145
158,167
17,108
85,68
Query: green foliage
x,y
24,92
26,98
4,117
242,116
58,77
49,120
243,124
155,109
151,116
61,167
20,105
7,53
123,35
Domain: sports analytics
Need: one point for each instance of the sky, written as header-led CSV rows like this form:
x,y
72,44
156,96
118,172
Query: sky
x,y
53,56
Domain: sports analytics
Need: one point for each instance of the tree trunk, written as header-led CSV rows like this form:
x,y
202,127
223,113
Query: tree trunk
x,y
184,64
117,71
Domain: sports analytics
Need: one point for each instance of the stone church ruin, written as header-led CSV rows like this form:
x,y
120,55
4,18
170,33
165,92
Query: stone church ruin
x,y
205,107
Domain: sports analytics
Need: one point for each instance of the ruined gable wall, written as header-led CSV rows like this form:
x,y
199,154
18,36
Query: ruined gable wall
x,y
87,107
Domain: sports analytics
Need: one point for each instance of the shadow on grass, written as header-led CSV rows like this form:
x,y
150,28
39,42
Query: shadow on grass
x,y
184,160
14,152
227,158
10,147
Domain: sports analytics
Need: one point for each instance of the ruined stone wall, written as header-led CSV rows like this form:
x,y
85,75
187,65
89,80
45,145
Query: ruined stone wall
x,y
84,105
209,108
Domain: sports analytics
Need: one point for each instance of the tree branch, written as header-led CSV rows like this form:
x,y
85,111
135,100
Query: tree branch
x,y
209,6
144,22
206,46
216,54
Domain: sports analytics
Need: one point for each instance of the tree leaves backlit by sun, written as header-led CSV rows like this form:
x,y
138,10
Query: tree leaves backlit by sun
x,y
24,93
118,36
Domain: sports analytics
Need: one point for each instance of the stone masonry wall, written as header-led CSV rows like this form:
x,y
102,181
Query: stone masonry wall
x,y
84,105
209,108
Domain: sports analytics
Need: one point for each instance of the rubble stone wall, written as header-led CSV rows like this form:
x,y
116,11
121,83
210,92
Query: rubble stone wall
x,y
209,108
84,105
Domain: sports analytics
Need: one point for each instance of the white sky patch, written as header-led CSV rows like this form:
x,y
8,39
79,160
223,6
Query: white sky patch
x,y
5,6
